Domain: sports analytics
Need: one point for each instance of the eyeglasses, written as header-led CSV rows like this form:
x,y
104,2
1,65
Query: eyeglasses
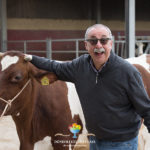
x,y
102,40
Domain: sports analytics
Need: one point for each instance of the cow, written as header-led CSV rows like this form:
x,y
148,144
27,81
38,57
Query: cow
x,y
144,136
142,63
39,111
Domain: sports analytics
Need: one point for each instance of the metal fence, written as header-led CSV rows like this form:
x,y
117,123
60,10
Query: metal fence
x,y
49,47
142,45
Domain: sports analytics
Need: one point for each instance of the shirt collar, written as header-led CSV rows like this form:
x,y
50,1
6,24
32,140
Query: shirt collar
x,y
97,71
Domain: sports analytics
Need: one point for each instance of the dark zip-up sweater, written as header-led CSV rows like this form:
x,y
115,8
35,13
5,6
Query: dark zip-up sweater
x,y
113,100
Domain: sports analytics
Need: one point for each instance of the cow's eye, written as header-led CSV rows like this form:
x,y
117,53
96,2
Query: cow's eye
x,y
17,78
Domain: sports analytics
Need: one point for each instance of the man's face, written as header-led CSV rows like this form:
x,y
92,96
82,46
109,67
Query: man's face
x,y
99,51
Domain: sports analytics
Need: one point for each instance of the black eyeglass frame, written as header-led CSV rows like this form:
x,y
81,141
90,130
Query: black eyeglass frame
x,y
103,41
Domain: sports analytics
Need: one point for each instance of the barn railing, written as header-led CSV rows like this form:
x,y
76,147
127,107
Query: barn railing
x,y
51,47
142,45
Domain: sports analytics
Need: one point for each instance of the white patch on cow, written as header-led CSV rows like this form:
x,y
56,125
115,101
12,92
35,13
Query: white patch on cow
x,y
141,60
44,144
76,109
8,61
73,100
143,138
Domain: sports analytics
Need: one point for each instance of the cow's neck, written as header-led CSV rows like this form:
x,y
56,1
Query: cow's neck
x,y
24,103
31,112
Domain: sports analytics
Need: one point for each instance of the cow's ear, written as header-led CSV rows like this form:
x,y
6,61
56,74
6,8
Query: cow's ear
x,y
44,77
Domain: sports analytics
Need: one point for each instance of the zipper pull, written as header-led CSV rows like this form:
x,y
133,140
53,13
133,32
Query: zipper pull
x,y
96,77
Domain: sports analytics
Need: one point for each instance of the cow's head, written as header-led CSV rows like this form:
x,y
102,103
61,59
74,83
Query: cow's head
x,y
15,74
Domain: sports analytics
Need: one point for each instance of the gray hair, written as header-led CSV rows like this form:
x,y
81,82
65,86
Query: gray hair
x,y
97,26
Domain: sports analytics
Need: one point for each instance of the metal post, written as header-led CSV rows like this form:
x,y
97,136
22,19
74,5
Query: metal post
x,y
130,27
113,46
77,48
49,48
98,13
25,46
89,8
3,18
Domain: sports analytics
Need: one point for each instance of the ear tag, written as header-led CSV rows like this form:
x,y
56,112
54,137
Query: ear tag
x,y
45,81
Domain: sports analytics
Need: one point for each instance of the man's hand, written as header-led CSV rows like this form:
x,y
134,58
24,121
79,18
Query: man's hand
x,y
27,57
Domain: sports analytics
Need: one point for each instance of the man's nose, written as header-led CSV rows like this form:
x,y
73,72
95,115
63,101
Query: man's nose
x,y
99,44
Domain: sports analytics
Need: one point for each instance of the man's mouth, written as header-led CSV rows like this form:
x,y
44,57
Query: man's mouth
x,y
99,51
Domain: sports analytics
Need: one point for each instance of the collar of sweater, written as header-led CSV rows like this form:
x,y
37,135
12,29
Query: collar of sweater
x,y
107,65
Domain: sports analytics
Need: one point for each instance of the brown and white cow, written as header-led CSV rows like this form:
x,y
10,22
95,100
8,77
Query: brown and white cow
x,y
38,111
144,136
142,63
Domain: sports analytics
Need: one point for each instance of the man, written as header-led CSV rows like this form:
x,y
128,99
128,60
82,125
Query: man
x,y
111,91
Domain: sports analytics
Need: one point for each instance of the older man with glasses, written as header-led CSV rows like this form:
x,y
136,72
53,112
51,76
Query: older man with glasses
x,y
110,89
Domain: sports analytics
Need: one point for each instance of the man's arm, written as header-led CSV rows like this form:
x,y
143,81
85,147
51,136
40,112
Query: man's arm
x,y
139,98
66,71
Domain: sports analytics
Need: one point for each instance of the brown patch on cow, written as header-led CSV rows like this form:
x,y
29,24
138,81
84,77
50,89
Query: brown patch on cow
x,y
143,137
38,74
148,58
145,76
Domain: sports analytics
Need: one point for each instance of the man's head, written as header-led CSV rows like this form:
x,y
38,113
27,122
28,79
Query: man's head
x,y
98,42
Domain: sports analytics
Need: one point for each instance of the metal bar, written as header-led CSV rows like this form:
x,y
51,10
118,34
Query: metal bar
x,y
35,51
67,40
28,41
122,46
41,51
136,37
53,40
130,27
49,48
77,48
70,51
25,47
147,50
89,10
3,18
113,46
98,11
117,47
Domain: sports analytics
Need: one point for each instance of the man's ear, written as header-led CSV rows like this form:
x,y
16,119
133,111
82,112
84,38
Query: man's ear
x,y
42,76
